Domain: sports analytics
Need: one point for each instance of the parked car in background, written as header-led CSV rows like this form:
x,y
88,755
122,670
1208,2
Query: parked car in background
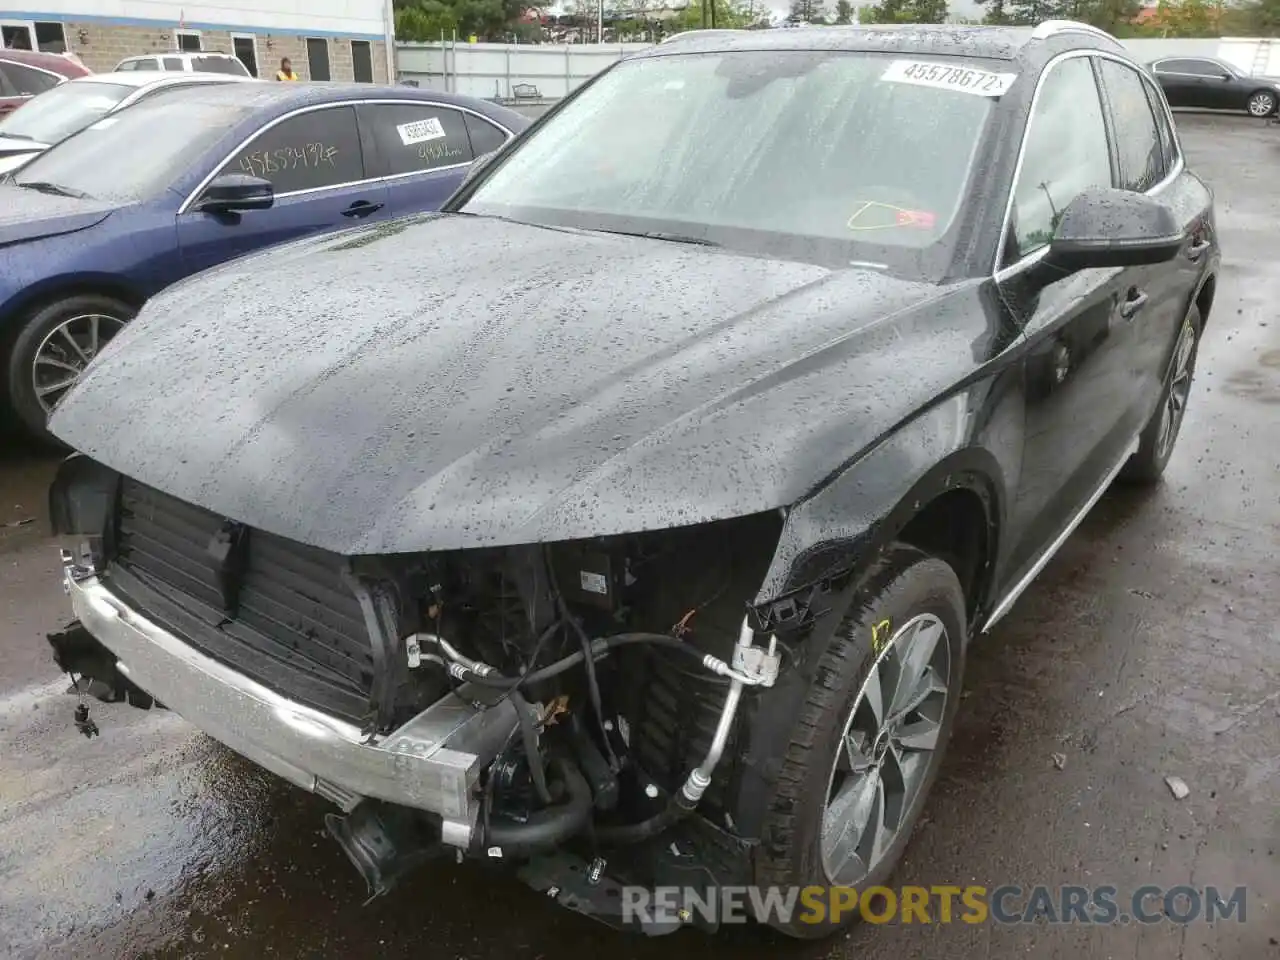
x,y
100,222
204,62
25,74
70,107
1215,85
767,371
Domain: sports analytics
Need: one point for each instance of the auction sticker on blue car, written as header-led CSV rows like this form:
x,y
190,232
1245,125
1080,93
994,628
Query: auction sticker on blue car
x,y
923,73
420,131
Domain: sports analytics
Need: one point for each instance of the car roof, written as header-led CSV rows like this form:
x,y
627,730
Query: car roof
x,y
149,78
53,62
290,95
185,54
988,42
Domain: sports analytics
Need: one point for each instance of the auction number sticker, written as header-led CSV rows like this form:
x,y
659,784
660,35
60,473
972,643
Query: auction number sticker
x,y
420,131
982,83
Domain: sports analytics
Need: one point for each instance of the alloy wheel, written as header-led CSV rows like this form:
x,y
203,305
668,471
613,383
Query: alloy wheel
x,y
1262,105
65,352
887,750
1175,401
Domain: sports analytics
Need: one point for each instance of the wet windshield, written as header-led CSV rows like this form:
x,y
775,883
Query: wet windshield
x,y
64,110
135,154
827,156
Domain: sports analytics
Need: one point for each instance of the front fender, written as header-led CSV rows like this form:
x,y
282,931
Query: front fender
x,y
970,440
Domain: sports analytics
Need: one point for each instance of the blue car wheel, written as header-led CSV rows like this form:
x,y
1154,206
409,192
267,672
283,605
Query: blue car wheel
x,y
55,344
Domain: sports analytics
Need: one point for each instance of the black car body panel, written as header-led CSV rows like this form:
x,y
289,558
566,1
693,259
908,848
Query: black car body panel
x,y
1208,84
662,383
499,392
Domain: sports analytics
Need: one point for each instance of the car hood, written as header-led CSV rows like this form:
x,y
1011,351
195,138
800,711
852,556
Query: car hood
x,y
12,145
27,214
449,381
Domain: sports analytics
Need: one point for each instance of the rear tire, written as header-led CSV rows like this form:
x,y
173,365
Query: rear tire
x,y
31,384
813,816
1159,436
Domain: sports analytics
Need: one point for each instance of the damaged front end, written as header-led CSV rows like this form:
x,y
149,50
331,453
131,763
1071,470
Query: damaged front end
x,y
581,709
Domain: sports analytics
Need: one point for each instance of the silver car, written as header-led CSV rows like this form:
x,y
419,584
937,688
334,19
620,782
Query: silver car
x,y
70,107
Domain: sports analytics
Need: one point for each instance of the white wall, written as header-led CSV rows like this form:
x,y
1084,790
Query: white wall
x,y
359,18
492,69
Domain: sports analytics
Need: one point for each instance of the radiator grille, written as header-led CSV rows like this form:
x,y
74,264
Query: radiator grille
x,y
674,723
298,628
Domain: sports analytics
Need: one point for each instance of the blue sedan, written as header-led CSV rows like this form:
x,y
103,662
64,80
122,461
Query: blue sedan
x,y
194,177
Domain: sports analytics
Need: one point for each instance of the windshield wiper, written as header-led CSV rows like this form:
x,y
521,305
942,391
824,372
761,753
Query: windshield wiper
x,y
44,186
660,235
15,136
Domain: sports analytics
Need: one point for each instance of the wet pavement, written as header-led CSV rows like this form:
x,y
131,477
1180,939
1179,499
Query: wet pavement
x,y
1148,647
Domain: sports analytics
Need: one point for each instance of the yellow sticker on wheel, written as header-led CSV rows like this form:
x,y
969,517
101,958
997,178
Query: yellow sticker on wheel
x,y
880,636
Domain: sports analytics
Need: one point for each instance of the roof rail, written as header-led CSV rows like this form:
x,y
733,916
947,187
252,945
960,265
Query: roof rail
x,y
709,31
1050,28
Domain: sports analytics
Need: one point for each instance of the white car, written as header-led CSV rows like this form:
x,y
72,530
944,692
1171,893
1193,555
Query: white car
x,y
195,62
70,107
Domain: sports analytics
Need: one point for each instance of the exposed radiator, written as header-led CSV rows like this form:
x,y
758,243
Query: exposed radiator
x,y
297,626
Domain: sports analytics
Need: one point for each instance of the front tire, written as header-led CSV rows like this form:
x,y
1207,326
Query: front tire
x,y
52,348
869,741
1262,103
1155,446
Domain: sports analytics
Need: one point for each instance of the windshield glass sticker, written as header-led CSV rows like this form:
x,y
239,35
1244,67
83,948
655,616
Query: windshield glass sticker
x,y
420,131
981,83
872,215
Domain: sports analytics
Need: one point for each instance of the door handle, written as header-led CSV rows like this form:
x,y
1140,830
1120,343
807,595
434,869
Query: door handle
x,y
1197,249
1136,300
361,208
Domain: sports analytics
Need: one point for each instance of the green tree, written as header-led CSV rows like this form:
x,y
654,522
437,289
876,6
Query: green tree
x,y
1255,18
808,11
844,11
906,11
1111,15
1186,18
424,20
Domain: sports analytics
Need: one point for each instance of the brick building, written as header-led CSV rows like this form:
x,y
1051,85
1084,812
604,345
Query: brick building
x,y
341,40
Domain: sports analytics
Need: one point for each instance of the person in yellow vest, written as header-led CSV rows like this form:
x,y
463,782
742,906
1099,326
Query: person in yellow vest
x,y
286,71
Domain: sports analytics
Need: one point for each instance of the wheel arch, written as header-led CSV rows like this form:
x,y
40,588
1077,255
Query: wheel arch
x,y
52,289
954,507
1203,298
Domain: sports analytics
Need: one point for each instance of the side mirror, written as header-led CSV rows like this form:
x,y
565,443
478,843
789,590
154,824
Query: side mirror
x,y
1106,227
235,192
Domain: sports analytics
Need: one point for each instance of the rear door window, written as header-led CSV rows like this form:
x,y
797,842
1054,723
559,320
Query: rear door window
x,y
485,136
26,81
1142,156
320,148
227,65
173,63
415,137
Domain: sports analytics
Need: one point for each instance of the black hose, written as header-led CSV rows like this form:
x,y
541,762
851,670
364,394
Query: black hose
x,y
530,738
550,826
645,829
593,685
601,647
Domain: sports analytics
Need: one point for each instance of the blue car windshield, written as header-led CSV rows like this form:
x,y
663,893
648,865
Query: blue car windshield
x,y
137,153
